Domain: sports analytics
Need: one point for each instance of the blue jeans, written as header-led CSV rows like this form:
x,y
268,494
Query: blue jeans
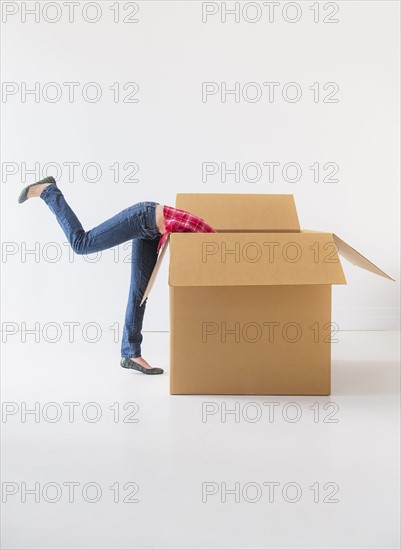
x,y
137,222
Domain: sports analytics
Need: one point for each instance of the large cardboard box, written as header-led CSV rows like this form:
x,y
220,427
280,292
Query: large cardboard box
x,y
250,305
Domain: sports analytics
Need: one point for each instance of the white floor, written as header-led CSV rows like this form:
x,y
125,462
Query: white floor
x,y
200,482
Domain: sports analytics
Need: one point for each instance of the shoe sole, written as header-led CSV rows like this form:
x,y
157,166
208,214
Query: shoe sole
x,y
127,363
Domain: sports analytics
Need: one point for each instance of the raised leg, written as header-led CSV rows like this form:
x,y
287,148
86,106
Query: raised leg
x,y
132,222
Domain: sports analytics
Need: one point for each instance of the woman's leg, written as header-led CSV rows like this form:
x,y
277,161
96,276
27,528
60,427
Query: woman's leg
x,y
136,223
143,259
131,223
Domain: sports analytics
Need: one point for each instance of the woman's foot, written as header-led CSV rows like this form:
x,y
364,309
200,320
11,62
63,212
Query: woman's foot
x,y
142,362
139,363
36,190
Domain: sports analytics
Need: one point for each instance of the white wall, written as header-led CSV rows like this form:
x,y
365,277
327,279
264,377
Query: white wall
x,y
170,132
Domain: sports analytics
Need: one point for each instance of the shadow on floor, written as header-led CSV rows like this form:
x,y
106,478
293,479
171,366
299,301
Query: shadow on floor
x,y
365,378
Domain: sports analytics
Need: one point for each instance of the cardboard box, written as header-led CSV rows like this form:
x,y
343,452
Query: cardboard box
x,y
250,305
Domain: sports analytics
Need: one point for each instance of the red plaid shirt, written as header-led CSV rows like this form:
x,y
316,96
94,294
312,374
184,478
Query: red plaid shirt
x,y
177,220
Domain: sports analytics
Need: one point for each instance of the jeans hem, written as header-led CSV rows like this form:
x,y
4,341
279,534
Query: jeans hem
x,y
43,194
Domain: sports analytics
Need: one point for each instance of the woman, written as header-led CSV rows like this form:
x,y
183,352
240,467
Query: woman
x,y
147,224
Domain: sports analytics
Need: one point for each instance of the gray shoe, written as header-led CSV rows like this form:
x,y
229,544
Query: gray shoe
x,y
24,193
128,363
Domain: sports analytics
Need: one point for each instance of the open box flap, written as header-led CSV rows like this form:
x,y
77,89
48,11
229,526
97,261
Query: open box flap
x,y
249,259
155,270
241,212
356,257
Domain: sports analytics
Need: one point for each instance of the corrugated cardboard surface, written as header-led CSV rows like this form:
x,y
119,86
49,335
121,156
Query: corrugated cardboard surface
x,y
242,212
206,358
356,258
232,259
235,293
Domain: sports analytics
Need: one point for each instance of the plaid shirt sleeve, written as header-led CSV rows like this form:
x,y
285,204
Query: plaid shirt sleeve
x,y
181,221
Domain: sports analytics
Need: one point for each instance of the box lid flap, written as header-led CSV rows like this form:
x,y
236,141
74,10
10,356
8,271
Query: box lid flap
x,y
230,259
356,258
242,212
155,271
